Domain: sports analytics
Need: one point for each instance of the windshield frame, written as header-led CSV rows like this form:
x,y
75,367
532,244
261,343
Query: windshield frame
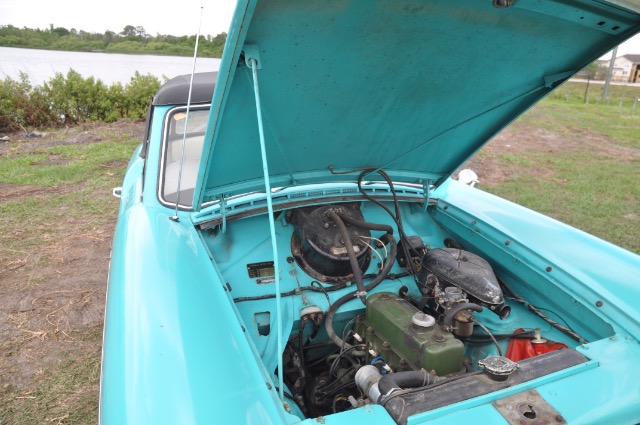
x,y
166,126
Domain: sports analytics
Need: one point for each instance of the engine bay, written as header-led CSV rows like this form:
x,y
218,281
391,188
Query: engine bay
x,y
382,305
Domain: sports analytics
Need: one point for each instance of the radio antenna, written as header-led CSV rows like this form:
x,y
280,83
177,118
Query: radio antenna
x,y
186,121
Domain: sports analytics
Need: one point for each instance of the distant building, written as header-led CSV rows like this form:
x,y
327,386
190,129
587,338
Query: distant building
x,y
626,68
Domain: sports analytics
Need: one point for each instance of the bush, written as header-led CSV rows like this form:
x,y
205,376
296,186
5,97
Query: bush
x,y
138,95
71,99
22,105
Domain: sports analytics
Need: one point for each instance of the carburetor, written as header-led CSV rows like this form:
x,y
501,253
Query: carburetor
x,y
452,276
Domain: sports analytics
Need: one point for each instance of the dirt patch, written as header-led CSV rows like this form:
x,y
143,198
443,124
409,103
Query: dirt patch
x,y
520,138
53,159
12,191
52,295
52,289
81,134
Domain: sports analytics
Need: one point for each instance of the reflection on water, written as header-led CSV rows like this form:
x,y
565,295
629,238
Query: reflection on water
x,y
40,65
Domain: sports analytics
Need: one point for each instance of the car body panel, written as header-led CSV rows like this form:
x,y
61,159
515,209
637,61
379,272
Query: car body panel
x,y
158,334
184,337
581,263
412,87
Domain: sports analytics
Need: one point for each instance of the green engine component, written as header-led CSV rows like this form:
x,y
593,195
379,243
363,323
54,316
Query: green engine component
x,y
390,330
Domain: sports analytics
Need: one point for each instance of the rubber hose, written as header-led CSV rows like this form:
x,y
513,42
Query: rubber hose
x,y
448,318
408,379
328,321
355,267
366,225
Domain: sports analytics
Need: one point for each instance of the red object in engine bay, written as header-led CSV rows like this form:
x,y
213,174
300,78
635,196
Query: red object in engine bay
x,y
524,348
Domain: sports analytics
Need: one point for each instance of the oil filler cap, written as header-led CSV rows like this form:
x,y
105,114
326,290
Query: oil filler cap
x,y
498,368
423,320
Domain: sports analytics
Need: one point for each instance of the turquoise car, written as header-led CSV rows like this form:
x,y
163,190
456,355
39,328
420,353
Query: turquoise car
x,y
292,249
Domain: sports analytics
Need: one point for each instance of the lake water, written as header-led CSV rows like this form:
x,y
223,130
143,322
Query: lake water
x,y
40,65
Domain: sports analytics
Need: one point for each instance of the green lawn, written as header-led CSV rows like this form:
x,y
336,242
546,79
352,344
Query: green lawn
x,y
595,185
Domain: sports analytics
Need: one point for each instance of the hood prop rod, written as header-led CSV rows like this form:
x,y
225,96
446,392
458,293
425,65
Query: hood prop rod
x,y
252,60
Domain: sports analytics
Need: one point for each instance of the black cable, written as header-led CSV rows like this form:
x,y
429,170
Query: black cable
x,y
336,361
365,224
328,320
353,260
477,339
390,276
324,291
321,359
268,296
335,399
536,310
319,345
397,218
293,292
303,324
495,341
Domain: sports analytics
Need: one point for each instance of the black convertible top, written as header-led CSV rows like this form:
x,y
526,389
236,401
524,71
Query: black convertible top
x,y
176,90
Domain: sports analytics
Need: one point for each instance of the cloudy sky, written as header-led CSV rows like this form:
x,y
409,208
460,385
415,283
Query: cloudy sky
x,y
156,16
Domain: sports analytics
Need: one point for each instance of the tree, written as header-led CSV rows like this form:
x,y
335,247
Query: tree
x,y
128,31
59,31
594,71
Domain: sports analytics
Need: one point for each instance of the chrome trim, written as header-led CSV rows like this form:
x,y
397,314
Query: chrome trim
x,y
163,150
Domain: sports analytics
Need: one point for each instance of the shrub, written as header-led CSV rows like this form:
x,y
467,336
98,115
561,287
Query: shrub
x,y
22,105
70,99
139,93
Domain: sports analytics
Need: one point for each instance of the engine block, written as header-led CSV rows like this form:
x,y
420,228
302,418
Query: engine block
x,y
406,338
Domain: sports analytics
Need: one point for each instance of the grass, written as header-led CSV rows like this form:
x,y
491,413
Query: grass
x,y
70,185
66,190
592,192
63,164
619,125
593,186
65,395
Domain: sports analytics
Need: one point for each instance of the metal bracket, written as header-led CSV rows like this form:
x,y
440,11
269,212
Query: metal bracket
x,y
223,213
251,52
426,188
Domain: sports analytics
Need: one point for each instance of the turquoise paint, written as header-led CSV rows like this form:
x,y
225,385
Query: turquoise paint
x,y
414,87
161,337
177,349
253,61
585,267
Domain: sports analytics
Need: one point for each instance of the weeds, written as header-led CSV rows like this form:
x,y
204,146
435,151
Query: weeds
x,y
71,99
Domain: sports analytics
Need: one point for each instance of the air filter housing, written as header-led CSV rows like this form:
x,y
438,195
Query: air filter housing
x,y
467,271
318,246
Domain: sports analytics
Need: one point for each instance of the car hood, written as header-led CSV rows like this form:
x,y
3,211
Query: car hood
x,y
411,87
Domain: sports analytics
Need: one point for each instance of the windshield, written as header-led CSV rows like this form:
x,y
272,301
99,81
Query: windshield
x,y
172,152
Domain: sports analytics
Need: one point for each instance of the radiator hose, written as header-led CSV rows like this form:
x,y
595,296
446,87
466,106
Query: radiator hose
x,y
401,380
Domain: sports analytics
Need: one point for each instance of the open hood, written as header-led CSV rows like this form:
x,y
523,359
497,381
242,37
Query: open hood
x,y
412,87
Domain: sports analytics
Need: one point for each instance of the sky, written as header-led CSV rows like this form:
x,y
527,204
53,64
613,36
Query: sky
x,y
156,16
